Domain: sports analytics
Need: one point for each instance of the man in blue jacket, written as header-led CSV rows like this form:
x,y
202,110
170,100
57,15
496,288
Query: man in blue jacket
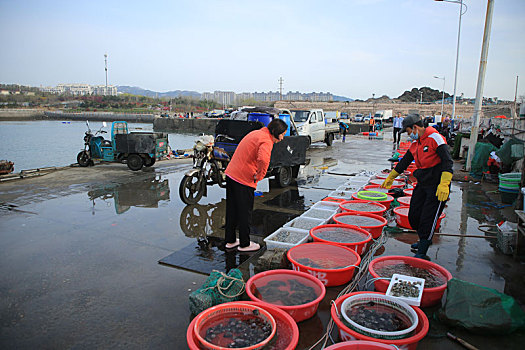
x,y
434,174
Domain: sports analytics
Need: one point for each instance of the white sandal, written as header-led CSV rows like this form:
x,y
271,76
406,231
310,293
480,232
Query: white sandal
x,y
253,247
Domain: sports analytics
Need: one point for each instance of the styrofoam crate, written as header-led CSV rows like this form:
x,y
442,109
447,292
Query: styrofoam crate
x,y
396,278
304,223
327,205
318,214
271,243
350,187
341,194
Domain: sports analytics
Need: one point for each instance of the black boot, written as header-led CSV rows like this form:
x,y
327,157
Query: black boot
x,y
415,246
422,249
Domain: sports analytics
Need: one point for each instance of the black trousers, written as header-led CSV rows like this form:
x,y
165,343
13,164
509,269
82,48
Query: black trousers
x,y
397,134
239,207
425,209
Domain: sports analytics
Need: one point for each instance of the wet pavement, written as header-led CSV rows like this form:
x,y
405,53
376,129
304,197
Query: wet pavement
x,y
79,255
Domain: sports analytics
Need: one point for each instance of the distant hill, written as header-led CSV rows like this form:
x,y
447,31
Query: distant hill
x,y
134,90
342,99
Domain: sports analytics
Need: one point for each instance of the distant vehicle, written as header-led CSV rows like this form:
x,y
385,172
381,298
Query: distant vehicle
x,y
383,115
358,117
312,123
344,115
367,118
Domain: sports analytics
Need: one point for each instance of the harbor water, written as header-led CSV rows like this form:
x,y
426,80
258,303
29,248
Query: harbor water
x,y
45,143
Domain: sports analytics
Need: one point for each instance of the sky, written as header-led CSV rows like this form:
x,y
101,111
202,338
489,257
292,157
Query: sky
x,y
352,48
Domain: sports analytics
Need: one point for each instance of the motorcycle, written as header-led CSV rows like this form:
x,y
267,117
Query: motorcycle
x,y
209,164
92,146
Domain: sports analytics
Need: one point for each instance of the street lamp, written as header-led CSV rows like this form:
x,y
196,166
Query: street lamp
x,y
461,13
442,98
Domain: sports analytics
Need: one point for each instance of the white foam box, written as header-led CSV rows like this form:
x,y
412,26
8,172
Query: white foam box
x,y
347,195
301,223
318,214
396,278
350,187
271,243
327,205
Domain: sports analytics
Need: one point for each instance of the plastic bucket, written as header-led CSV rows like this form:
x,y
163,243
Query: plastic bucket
x,y
510,178
386,202
360,345
402,217
358,246
348,334
508,196
404,201
396,183
286,119
376,188
381,176
408,192
329,254
375,230
297,312
334,199
371,195
353,207
431,296
219,313
286,337
260,117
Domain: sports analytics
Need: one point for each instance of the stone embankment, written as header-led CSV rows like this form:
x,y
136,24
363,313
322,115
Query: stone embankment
x,y
352,108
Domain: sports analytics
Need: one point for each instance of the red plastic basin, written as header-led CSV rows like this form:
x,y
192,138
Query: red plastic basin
x,y
396,184
376,188
402,216
359,247
346,207
386,202
405,201
360,345
298,312
326,254
348,334
333,199
408,191
431,296
374,230
286,338
381,176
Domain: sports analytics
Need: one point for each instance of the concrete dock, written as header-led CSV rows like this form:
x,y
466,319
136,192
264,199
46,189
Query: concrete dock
x,y
80,250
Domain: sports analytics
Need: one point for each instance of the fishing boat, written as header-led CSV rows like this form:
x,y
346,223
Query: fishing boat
x,y
6,167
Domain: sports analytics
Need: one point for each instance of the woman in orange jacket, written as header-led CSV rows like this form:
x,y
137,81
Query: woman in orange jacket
x,y
247,167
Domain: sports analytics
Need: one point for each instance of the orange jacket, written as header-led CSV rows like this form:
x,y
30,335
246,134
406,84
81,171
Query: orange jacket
x,y
250,161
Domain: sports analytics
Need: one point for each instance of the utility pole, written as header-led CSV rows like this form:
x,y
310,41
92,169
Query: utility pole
x,y
515,111
281,88
481,81
106,64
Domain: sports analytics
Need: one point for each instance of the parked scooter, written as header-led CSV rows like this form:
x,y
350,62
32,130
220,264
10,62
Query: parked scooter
x,y
92,146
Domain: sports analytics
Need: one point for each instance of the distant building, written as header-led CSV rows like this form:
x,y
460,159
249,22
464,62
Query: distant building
x,y
81,89
229,98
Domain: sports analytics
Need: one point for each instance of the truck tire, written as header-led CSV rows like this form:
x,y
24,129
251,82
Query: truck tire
x,y
135,162
83,159
284,176
149,161
329,139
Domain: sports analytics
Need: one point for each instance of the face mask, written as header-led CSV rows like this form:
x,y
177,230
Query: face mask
x,y
414,136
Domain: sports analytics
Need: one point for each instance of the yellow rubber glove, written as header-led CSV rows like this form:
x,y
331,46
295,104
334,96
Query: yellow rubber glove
x,y
443,188
389,181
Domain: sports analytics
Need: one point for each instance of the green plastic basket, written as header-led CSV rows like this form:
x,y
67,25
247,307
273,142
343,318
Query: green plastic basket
x,y
372,195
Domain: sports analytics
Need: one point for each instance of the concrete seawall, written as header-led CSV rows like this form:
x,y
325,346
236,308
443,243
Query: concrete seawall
x,y
100,116
204,125
21,114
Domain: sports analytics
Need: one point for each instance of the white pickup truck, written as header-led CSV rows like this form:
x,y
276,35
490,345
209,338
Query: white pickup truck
x,y
312,123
